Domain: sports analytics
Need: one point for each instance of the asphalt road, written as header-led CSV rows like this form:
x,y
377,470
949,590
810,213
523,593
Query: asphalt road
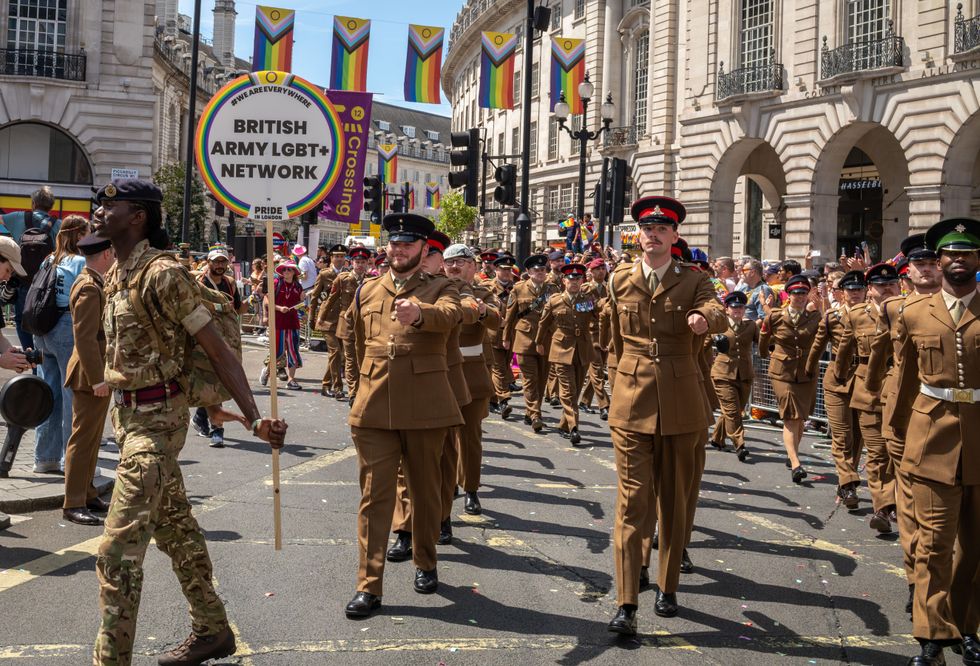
x,y
783,576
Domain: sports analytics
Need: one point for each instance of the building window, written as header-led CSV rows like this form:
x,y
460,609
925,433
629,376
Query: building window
x,y
553,200
565,198
640,72
756,32
515,140
556,15
535,79
576,124
500,144
517,88
866,19
432,135
534,142
37,25
40,153
579,8
637,3
553,135
408,131
384,125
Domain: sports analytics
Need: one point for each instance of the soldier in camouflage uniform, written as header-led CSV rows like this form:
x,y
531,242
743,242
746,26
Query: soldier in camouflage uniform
x,y
150,416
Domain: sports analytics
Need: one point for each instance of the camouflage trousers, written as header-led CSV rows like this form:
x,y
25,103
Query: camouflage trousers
x,y
149,501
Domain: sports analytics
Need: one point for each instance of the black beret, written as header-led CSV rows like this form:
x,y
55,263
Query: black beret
x,y
129,189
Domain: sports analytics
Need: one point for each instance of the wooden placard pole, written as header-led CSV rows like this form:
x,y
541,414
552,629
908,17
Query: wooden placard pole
x,y
270,291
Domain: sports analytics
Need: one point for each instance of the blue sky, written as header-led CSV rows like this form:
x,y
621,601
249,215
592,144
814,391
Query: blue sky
x,y
314,32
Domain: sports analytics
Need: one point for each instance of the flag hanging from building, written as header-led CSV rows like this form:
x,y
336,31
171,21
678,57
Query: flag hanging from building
x,y
497,70
273,47
432,195
388,162
567,71
410,203
423,65
348,66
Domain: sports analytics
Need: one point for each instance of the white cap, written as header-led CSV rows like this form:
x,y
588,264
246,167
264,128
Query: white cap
x,y
218,253
10,251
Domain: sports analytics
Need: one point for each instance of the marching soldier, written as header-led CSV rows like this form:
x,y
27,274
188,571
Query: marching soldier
x,y
487,271
327,320
402,324
657,422
500,368
732,373
595,383
786,339
925,278
845,433
862,324
341,297
938,389
565,332
151,418
556,259
86,378
483,317
524,308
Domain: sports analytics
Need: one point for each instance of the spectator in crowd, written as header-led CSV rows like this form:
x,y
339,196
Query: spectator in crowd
x,y
761,296
14,225
307,267
287,297
257,281
11,358
725,271
56,345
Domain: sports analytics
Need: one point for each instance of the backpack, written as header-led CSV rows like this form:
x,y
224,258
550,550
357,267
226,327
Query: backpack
x,y
199,382
41,311
35,244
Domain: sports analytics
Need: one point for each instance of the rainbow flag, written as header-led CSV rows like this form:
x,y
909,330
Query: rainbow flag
x,y
273,47
411,198
348,67
567,71
388,162
432,195
497,70
423,66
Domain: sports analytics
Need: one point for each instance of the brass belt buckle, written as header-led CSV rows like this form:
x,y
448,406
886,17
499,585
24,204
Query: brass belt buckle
x,y
391,350
653,348
963,395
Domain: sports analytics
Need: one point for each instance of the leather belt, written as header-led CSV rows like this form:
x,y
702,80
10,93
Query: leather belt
x,y
863,360
968,396
146,396
393,349
654,349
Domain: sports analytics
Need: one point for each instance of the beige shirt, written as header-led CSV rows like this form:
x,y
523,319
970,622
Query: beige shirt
x,y
659,271
950,299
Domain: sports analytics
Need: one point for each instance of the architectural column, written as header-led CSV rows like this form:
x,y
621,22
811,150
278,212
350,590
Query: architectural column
x,y
926,205
810,222
612,61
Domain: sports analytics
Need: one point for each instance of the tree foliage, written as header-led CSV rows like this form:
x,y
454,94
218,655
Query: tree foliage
x,y
455,216
170,179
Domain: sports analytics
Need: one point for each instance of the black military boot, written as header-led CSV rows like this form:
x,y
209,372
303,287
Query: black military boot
x,y
402,550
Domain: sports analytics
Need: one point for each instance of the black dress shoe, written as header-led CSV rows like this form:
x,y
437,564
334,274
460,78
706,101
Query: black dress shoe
x,y
362,605
582,407
340,396
666,604
799,474
604,414
494,408
687,566
969,649
326,392
514,387
402,550
931,655
644,577
879,521
718,445
574,437
892,515
445,532
624,623
527,420
505,409
81,516
789,465
97,504
742,454
472,505
350,401
537,425
655,540
848,496
555,402
426,582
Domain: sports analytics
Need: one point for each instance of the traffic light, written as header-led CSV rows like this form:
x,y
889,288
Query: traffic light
x,y
617,191
469,158
373,201
506,192
397,203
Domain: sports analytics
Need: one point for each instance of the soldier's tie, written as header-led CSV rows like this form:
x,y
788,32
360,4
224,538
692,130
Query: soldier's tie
x,y
956,312
653,281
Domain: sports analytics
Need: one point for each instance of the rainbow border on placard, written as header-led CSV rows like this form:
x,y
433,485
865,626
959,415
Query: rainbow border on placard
x,y
233,88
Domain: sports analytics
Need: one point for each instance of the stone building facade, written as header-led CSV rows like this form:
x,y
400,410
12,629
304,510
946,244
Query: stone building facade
x,y
782,125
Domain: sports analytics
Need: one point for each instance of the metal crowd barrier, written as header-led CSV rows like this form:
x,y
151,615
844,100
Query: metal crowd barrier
x,y
763,396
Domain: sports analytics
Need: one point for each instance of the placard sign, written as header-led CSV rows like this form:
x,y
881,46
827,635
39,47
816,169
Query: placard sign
x,y
270,145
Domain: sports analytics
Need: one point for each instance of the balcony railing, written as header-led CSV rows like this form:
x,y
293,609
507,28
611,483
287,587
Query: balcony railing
x,y
43,64
621,136
966,33
863,55
418,152
764,77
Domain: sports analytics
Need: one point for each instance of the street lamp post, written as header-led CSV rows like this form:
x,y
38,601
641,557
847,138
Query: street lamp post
x,y
583,135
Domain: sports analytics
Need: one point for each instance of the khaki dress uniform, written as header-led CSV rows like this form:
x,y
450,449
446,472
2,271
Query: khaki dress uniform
x,y
150,417
523,315
732,375
326,322
340,299
786,344
937,408
861,325
605,340
595,384
658,415
566,331
500,358
845,434
551,386
86,369
392,426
